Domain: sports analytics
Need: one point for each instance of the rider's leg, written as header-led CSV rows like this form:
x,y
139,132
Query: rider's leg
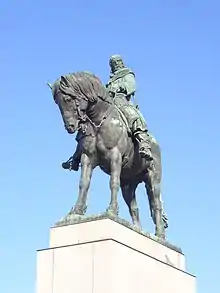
x,y
137,124
73,162
141,135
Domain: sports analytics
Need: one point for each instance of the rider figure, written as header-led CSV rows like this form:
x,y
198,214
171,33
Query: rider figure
x,y
121,87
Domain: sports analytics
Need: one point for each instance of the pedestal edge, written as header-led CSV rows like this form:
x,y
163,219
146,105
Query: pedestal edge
x,y
83,219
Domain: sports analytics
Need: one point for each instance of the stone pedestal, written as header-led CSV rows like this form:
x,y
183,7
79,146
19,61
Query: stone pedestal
x,y
103,255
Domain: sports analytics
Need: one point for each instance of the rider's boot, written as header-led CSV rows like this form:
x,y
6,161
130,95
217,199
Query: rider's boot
x,y
144,145
73,162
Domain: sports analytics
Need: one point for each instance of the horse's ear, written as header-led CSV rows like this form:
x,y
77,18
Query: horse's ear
x,y
50,85
64,80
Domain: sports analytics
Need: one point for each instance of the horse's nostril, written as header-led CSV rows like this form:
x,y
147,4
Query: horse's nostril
x,y
69,125
70,128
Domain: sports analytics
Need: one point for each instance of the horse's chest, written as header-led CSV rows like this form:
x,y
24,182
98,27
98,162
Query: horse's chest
x,y
109,135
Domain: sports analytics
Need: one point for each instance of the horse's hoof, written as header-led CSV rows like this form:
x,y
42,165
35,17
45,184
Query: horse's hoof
x,y
73,217
137,227
160,236
112,212
79,210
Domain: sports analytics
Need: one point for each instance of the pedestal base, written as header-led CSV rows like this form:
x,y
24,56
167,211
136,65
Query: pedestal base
x,y
104,256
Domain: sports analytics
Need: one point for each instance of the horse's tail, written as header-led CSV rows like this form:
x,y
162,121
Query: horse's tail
x,y
156,153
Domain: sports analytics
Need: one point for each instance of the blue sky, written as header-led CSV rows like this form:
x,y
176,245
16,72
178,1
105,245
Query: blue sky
x,y
173,47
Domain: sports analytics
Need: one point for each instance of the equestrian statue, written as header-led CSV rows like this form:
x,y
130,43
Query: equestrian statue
x,y
112,134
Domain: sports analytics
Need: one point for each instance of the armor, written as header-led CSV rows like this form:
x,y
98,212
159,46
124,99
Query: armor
x,y
122,87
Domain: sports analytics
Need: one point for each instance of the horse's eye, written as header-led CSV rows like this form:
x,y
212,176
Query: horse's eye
x,y
67,99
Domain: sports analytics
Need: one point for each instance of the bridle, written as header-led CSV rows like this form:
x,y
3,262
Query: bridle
x,y
83,117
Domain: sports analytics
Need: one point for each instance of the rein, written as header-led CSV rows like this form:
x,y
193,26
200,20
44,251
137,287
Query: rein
x,y
85,117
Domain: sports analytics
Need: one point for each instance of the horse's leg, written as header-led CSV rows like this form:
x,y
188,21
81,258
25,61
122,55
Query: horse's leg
x,y
150,199
115,168
153,191
128,192
86,173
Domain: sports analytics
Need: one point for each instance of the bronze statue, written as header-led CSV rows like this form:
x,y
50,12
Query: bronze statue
x,y
121,87
106,139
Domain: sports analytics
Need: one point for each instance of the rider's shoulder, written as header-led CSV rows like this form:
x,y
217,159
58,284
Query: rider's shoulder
x,y
126,72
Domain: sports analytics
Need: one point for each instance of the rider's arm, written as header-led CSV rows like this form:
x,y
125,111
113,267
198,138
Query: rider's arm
x,y
130,84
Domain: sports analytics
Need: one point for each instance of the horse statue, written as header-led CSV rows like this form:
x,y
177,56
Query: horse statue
x,y
85,104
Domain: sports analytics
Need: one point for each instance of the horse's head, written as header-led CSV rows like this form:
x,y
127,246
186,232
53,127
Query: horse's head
x,y
75,94
71,107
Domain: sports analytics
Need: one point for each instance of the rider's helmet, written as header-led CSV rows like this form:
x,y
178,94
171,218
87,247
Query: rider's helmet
x,y
116,63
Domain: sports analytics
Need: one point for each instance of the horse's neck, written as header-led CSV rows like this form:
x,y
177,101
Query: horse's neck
x,y
98,110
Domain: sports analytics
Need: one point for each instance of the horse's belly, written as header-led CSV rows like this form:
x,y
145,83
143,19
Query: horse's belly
x,y
105,169
132,163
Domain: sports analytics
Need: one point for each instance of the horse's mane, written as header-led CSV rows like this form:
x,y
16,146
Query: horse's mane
x,y
84,85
